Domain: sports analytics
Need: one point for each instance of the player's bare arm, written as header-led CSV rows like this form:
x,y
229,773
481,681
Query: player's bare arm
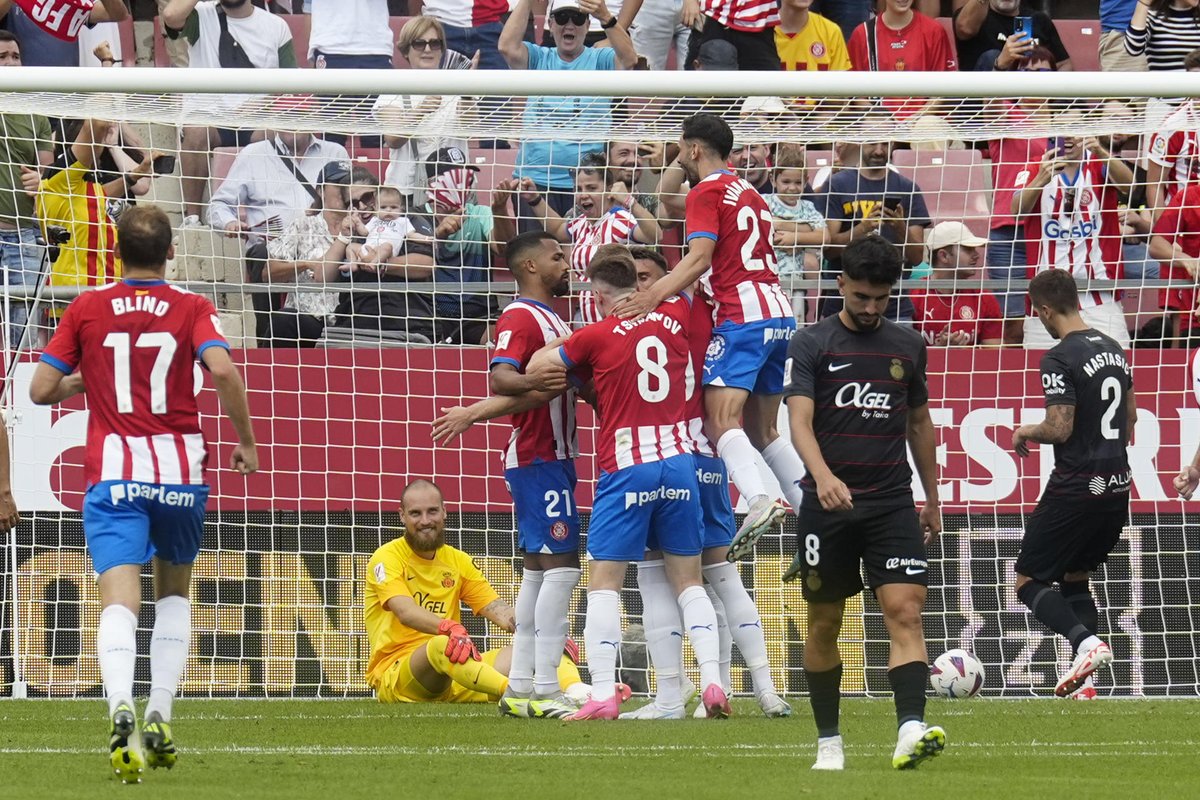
x,y
456,420
1056,428
9,516
50,386
539,376
831,491
686,272
922,440
548,358
413,616
501,613
232,393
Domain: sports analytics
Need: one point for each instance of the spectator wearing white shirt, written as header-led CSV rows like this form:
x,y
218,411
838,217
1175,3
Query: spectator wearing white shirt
x,y
262,40
422,42
350,34
262,194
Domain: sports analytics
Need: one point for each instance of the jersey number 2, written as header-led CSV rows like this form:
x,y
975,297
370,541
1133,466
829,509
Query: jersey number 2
x,y
747,222
161,341
1110,386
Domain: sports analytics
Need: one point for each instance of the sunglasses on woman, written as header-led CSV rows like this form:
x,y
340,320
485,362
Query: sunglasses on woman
x,y
426,44
565,15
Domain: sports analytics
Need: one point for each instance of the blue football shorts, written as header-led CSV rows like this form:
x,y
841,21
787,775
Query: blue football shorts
x,y
749,355
544,498
647,506
129,522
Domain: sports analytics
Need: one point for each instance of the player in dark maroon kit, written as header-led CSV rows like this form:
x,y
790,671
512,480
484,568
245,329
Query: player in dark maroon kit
x,y
133,345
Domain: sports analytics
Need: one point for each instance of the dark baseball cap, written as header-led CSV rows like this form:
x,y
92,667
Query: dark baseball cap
x,y
335,172
446,159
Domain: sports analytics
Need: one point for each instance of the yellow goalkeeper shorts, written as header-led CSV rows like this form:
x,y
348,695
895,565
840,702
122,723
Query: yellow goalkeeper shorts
x,y
399,685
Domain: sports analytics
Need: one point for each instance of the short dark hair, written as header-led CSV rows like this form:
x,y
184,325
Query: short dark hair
x,y
614,268
710,130
9,36
1192,59
520,247
872,259
641,252
144,237
1055,288
595,163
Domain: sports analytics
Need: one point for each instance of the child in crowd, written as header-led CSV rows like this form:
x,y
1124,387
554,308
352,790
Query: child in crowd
x,y
799,226
387,231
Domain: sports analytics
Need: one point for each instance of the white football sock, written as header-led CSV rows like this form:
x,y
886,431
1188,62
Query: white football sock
x,y
745,624
700,622
168,652
520,674
724,640
552,626
664,632
783,460
116,646
740,459
602,637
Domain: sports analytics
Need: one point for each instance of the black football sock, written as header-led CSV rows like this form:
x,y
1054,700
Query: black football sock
x,y
908,688
1082,603
1053,611
825,697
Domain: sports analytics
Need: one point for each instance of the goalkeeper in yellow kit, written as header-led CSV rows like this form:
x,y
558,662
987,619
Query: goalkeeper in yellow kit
x,y
416,584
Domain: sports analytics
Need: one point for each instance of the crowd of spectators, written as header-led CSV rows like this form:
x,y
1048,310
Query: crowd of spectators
x,y
400,251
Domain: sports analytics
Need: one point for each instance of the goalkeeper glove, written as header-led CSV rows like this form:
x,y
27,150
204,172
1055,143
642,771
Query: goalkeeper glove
x,y
460,649
571,650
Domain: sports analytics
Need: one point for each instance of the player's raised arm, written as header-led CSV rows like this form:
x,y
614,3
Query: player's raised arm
x,y
232,392
686,272
456,420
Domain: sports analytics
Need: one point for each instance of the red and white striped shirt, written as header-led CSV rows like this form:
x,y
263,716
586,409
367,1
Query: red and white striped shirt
x,y
587,235
1076,228
136,344
546,433
742,15
743,280
699,336
641,369
1176,146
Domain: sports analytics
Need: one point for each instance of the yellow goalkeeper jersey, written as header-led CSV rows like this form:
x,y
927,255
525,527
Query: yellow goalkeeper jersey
x,y
439,585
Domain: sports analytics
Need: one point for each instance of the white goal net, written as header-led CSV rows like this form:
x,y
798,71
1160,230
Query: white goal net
x,y
348,362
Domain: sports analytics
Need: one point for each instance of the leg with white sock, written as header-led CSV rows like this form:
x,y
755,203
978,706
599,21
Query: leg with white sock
x,y
520,674
745,624
602,638
741,459
700,625
116,648
787,467
664,633
551,627
724,640
169,646
116,645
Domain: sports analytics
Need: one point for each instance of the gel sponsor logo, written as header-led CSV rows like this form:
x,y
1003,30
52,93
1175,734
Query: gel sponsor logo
x,y
141,491
1080,230
859,395
661,493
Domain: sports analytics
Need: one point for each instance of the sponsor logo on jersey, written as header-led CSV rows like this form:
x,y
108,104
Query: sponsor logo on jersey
x,y
838,367
154,493
912,566
429,604
1116,484
502,341
859,395
558,531
776,334
1054,383
1053,229
709,478
380,573
654,495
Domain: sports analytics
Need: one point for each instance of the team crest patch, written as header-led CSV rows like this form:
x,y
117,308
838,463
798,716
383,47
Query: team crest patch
x,y
1086,197
966,312
716,349
380,573
558,531
896,370
447,580
817,49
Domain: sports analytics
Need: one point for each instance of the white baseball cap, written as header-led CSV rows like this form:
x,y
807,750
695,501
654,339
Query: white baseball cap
x,y
559,5
947,234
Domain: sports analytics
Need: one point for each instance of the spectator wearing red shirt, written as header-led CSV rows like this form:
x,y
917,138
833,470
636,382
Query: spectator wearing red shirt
x,y
956,317
901,40
1175,241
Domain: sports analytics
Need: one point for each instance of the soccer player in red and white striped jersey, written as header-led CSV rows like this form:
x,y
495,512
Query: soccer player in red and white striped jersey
x,y
729,236
1069,201
134,346
647,496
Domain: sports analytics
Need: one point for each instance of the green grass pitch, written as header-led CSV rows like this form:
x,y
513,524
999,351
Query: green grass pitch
x,y
347,750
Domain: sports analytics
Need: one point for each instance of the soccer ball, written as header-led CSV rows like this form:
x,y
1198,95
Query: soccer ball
x,y
956,673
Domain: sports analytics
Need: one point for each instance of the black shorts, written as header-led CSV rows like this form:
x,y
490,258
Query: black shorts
x,y
1065,537
887,542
